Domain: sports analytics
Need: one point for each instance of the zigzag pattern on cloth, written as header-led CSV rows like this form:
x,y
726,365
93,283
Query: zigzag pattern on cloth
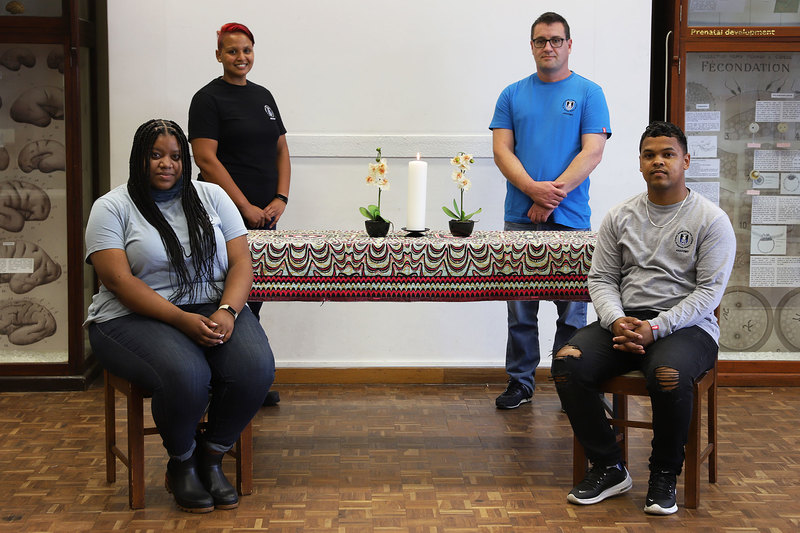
x,y
349,266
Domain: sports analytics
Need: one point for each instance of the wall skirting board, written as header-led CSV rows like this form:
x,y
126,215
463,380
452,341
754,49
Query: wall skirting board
x,y
759,373
731,373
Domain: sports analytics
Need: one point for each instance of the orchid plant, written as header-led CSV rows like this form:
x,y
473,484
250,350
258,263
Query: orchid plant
x,y
377,176
462,163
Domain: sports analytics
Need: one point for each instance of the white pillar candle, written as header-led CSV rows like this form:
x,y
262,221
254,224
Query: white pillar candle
x,y
417,186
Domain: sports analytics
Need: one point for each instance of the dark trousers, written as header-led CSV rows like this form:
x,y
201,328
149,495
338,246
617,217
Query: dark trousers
x,y
691,351
184,377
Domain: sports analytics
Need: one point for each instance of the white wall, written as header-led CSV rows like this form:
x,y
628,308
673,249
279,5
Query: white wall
x,y
413,76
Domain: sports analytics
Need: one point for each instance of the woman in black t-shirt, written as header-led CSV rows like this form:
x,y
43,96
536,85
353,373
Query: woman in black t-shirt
x,y
238,138
237,135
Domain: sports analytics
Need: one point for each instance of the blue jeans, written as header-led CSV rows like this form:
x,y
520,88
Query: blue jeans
x,y
184,377
522,347
690,351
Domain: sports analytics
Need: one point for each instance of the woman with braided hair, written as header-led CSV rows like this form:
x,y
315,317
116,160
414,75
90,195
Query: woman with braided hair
x,y
170,316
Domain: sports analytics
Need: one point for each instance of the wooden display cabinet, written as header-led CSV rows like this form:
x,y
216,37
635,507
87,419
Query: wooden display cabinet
x,y
727,73
48,180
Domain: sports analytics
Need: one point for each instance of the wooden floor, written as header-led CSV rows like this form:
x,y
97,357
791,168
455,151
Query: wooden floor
x,y
395,458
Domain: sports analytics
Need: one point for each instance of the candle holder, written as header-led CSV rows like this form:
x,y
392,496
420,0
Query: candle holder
x,y
415,232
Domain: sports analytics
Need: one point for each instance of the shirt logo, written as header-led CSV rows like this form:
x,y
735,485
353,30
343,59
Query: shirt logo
x,y
683,239
568,105
269,111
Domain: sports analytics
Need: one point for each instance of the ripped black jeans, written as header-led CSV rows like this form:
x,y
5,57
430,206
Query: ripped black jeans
x,y
689,351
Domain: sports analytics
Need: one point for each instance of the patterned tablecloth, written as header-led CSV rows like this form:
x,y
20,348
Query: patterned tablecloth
x,y
489,265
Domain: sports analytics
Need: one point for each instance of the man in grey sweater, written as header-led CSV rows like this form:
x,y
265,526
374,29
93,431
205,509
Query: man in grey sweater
x,y
660,267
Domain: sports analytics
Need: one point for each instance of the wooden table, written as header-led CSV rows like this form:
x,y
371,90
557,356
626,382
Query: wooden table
x,y
337,265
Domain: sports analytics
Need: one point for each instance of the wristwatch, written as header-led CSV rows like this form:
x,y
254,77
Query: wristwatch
x,y
229,309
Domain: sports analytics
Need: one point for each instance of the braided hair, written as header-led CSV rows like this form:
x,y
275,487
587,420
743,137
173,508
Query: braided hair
x,y
203,246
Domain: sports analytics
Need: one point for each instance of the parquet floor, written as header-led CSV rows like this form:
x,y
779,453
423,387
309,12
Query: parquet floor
x,y
395,458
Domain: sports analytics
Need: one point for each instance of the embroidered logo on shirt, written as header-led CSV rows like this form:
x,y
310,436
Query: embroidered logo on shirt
x,y
568,105
269,111
683,239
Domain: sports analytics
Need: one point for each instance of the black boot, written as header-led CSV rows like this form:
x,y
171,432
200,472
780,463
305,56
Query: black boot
x,y
184,483
273,398
214,480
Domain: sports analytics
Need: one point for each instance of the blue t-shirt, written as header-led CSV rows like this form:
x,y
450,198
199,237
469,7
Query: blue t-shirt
x,y
548,120
116,223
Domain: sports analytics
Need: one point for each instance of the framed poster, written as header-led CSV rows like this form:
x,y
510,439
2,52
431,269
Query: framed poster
x,y
33,217
742,120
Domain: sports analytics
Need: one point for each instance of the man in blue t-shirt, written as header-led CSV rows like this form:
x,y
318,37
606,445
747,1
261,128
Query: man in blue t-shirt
x,y
548,131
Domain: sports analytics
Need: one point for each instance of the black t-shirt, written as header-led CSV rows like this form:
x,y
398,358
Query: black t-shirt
x,y
246,123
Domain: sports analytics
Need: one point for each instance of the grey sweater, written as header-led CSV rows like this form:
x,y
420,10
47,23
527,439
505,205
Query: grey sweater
x,y
680,270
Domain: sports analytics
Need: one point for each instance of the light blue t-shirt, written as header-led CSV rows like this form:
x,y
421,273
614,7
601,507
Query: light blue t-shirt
x,y
548,120
116,223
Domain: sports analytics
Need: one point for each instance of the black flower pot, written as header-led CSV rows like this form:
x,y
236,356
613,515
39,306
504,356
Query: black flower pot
x,y
376,228
461,228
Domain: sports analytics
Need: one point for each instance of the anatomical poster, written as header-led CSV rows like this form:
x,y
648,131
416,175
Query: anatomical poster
x,y
743,119
33,221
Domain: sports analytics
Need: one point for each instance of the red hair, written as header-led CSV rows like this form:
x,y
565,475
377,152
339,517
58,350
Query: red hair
x,y
233,27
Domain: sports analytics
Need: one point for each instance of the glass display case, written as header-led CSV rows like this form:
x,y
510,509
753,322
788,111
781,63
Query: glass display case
x,y
33,8
733,84
33,219
733,13
47,183
741,118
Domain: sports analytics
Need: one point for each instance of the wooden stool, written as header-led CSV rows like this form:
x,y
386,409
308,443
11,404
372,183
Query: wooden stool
x,y
134,459
634,384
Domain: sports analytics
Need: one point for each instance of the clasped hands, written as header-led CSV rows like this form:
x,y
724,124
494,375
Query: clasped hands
x,y
255,217
208,331
632,335
546,196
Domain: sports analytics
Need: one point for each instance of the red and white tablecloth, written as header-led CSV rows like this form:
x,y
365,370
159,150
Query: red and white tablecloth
x,y
340,265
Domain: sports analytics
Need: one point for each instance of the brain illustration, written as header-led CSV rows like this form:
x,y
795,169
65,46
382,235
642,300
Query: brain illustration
x,y
39,106
15,58
55,60
15,8
21,201
25,322
45,270
44,155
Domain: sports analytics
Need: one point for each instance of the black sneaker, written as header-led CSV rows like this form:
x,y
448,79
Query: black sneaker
x,y
515,395
601,482
661,494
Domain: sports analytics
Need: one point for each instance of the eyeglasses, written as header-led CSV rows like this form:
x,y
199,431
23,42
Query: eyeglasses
x,y
555,42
